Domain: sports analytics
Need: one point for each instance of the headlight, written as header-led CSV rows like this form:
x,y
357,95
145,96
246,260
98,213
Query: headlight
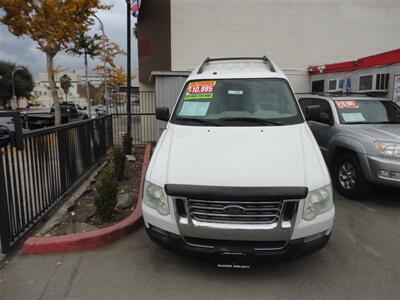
x,y
155,197
388,149
317,202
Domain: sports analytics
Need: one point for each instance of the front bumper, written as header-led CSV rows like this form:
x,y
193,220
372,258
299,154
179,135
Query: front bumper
x,y
239,253
378,164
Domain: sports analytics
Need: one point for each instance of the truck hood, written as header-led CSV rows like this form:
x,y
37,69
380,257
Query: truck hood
x,y
381,132
238,156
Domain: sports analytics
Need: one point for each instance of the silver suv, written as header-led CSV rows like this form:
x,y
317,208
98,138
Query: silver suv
x,y
359,137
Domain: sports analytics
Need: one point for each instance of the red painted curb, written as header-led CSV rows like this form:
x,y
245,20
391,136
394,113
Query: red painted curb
x,y
93,239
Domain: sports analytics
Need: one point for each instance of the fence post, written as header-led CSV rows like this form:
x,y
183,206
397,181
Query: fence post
x,y
4,211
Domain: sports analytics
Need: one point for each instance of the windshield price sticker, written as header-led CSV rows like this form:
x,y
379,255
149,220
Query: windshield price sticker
x,y
200,90
349,104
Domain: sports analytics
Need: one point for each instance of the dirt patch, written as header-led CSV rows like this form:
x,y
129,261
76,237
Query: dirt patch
x,y
82,216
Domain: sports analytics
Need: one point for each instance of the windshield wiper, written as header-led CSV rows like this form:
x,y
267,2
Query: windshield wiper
x,y
200,121
252,120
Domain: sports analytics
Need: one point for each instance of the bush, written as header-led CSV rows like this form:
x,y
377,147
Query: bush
x,y
119,163
106,195
127,144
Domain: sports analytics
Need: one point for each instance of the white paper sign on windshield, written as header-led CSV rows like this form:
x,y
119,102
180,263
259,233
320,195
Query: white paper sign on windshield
x,y
353,117
194,109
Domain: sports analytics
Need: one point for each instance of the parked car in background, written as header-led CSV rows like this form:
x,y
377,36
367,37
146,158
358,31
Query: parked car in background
x,y
38,119
237,172
4,130
359,137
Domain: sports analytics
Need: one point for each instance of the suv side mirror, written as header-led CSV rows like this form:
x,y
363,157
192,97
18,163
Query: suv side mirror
x,y
162,113
313,112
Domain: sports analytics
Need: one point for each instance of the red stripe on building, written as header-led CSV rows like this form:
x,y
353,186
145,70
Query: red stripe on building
x,y
381,59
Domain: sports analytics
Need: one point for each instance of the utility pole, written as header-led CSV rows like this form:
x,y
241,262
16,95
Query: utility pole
x,y
128,69
104,65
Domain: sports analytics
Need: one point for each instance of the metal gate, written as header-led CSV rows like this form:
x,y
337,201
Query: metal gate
x,y
143,118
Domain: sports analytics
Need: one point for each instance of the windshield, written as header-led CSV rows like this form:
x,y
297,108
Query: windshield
x,y
237,102
367,111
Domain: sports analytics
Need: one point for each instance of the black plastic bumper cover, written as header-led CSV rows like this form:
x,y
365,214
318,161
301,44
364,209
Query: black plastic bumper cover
x,y
294,249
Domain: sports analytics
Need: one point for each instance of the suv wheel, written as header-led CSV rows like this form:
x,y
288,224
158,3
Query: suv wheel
x,y
348,177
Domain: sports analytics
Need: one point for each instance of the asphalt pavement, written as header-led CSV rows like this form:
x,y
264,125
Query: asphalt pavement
x,y
361,261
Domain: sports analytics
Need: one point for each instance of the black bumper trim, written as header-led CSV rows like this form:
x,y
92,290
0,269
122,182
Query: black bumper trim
x,y
293,249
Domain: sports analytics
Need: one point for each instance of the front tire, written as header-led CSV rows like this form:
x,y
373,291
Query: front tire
x,y
348,177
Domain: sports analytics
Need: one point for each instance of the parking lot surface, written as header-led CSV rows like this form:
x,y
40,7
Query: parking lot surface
x,y
361,261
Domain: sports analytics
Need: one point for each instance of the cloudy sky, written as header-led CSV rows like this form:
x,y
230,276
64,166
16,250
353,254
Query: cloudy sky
x,y
24,51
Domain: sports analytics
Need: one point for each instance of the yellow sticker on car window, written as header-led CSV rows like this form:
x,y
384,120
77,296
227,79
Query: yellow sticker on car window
x,y
199,90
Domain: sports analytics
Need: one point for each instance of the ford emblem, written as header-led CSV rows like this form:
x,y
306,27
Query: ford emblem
x,y
234,209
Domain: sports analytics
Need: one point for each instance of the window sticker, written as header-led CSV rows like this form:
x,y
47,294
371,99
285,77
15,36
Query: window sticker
x,y
353,117
200,90
347,104
231,92
194,109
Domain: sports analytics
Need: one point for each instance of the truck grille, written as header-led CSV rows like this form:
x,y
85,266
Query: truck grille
x,y
245,212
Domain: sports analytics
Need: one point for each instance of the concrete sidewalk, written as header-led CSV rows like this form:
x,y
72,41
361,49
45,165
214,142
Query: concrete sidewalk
x,y
360,262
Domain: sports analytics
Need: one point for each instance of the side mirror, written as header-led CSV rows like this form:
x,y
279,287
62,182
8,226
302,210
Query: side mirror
x,y
162,114
313,112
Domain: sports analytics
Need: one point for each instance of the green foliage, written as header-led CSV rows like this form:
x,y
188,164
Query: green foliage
x,y
22,79
119,163
127,144
86,45
65,82
106,195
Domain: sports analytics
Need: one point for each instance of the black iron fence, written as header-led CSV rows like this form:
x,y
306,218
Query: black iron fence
x,y
33,180
143,118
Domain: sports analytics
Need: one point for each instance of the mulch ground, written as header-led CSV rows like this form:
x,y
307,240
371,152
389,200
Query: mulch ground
x,y
82,216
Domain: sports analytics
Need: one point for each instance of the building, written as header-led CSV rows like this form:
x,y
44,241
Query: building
x,y
43,93
177,35
378,74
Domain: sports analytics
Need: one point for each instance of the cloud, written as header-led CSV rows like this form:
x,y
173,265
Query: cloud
x,y
23,51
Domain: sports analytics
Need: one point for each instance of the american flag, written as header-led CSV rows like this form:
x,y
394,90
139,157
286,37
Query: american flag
x,y
135,8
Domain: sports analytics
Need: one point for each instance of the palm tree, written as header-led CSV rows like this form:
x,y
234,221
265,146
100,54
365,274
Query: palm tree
x,y
88,46
65,82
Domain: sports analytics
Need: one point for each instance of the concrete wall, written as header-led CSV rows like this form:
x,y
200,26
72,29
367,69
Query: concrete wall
x,y
292,33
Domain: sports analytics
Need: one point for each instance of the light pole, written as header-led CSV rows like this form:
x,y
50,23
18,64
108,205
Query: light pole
x,y
128,67
13,85
104,64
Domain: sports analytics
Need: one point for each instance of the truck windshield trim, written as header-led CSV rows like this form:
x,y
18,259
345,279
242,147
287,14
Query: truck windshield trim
x,y
237,102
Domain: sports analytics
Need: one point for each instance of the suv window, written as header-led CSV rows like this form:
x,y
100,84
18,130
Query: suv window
x,y
367,111
304,102
325,109
237,102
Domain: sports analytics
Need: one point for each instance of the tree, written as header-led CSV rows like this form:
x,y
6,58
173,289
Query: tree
x,y
65,83
22,79
52,24
86,46
109,50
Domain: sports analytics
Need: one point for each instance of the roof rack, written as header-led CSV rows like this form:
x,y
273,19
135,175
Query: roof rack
x,y
341,94
208,60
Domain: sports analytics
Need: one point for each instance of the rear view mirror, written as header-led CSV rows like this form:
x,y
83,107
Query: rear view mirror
x,y
313,112
162,114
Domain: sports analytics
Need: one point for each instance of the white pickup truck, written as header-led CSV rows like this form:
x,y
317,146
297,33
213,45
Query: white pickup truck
x,y
237,172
